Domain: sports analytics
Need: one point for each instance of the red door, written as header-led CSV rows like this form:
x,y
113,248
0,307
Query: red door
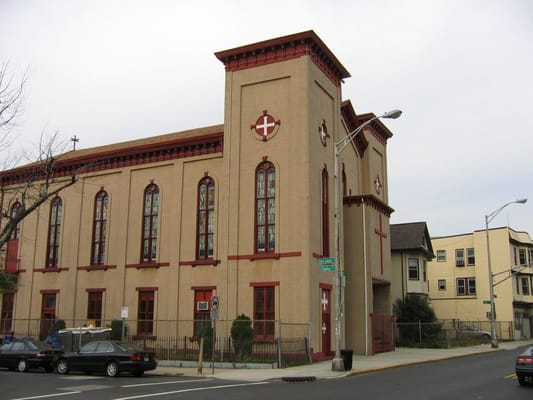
x,y
48,314
325,300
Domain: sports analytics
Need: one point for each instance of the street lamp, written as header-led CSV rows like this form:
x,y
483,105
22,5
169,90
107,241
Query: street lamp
x,y
488,219
338,364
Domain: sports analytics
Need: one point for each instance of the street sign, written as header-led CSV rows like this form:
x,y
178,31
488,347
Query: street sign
x,y
486,301
326,260
327,268
215,302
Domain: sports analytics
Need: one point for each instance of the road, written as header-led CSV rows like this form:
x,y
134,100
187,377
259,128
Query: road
x,y
480,377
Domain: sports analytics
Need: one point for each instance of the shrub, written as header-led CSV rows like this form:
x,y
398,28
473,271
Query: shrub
x,y
242,335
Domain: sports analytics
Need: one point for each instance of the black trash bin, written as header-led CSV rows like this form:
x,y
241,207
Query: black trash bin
x,y
347,357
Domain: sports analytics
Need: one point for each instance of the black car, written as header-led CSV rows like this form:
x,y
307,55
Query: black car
x,y
524,366
109,357
25,354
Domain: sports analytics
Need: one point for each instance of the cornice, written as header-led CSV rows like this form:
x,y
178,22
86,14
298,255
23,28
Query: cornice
x,y
282,49
371,200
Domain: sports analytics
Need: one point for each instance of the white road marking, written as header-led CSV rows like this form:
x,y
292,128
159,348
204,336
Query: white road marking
x,y
166,383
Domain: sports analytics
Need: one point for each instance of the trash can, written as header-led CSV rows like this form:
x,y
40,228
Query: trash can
x,y
347,357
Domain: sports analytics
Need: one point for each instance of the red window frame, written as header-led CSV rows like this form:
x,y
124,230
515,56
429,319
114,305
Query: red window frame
x,y
150,226
48,312
6,321
101,201
264,312
265,208
205,229
325,213
54,233
145,313
94,306
202,318
13,212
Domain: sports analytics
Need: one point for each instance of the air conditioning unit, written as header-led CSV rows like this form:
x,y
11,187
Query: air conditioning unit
x,y
202,305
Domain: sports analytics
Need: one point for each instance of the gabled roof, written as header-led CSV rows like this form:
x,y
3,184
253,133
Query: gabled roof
x,y
413,236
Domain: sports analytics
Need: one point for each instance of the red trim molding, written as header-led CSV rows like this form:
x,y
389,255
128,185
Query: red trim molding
x,y
325,286
146,289
97,267
195,263
203,287
380,281
96,290
49,291
371,200
148,265
282,49
265,256
43,270
260,284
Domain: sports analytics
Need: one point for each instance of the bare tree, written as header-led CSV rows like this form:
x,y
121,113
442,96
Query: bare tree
x,y
30,185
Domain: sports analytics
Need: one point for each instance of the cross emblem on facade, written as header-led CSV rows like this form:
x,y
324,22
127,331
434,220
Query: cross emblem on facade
x,y
377,184
266,126
324,302
381,235
74,139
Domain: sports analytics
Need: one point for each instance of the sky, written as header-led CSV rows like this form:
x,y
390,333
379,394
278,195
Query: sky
x,y
460,70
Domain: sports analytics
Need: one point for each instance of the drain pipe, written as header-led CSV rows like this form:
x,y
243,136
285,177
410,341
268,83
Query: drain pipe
x,y
366,277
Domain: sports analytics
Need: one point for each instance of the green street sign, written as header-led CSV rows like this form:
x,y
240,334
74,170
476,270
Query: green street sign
x,y
326,260
486,301
327,268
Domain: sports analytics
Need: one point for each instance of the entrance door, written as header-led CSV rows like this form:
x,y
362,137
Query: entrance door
x,y
325,300
48,315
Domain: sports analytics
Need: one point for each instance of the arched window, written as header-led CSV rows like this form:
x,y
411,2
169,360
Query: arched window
x,y
265,207
15,208
205,219
54,232
99,227
325,213
149,232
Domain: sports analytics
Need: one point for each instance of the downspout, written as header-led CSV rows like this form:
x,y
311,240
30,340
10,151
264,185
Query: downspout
x,y
366,276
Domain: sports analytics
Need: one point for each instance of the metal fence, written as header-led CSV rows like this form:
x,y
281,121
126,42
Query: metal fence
x,y
450,332
180,339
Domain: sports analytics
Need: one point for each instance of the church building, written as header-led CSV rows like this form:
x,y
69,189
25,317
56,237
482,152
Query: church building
x,y
243,211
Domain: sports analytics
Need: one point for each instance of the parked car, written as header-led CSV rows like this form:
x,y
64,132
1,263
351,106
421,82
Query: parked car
x,y
472,331
109,357
25,354
524,366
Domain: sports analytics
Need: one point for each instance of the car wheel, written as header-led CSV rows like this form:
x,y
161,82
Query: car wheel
x,y
112,369
521,380
62,367
22,366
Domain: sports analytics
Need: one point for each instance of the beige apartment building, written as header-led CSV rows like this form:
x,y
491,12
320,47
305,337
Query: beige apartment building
x,y
459,284
156,228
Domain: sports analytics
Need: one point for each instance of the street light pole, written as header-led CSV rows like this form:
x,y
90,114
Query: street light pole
x,y
488,219
340,145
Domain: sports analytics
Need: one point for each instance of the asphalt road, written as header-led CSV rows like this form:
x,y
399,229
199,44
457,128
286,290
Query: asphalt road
x,y
480,377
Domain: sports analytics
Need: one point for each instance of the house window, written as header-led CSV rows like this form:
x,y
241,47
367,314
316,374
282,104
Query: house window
x,y
414,271
206,219
48,313
466,286
525,286
522,257
470,257
99,227
145,313
54,231
325,213
15,208
265,207
6,323
202,309
424,271
264,314
441,284
149,232
459,257
441,255
94,306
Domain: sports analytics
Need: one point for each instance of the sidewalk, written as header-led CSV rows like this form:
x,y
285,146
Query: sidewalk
x,y
322,370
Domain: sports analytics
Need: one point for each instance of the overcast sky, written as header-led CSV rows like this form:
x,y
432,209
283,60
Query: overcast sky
x,y
461,71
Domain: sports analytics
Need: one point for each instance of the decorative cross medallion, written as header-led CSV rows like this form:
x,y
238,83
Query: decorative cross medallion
x,y
323,132
266,126
324,302
377,184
